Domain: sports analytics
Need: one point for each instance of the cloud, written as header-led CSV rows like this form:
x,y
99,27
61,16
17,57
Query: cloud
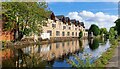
x,y
75,15
101,19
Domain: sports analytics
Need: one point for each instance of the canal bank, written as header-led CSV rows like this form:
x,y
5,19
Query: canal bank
x,y
27,42
115,61
109,59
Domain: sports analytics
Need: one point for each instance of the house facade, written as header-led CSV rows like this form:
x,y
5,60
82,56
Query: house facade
x,y
57,27
60,26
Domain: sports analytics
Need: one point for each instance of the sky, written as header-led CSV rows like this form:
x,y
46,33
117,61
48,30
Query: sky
x,y
102,14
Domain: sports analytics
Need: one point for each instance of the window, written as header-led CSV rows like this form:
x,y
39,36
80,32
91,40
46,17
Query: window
x,y
69,28
49,31
75,28
57,45
63,33
64,27
76,33
50,46
68,43
63,44
72,33
54,25
57,33
68,33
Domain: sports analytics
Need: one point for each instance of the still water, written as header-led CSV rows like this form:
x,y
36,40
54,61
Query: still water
x,y
55,54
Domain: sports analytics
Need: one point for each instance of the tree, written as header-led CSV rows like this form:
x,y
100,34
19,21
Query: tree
x,y
112,33
80,34
118,26
24,18
103,31
95,29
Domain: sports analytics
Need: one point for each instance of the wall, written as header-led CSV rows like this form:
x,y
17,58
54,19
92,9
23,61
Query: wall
x,y
59,27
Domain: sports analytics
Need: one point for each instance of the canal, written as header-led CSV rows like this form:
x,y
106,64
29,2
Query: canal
x,y
55,54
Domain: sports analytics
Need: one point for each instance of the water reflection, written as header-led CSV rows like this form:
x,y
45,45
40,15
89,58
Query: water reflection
x,y
55,54
93,43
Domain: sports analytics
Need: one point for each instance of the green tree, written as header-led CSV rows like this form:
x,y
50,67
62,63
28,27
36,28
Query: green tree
x,y
118,26
103,31
24,18
112,33
95,29
80,34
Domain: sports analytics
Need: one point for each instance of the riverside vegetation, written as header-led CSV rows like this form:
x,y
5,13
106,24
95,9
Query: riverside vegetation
x,y
100,62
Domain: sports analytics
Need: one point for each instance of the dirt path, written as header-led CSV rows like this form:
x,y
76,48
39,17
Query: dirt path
x,y
115,61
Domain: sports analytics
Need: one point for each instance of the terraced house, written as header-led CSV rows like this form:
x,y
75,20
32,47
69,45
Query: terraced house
x,y
62,27
57,27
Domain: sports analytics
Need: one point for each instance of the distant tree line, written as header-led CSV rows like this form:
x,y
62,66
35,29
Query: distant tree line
x,y
113,31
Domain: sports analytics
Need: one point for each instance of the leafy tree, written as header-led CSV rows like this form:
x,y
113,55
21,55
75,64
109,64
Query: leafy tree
x,y
95,29
112,33
118,26
103,31
24,18
80,34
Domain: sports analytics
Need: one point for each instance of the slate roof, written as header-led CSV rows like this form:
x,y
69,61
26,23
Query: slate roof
x,y
60,17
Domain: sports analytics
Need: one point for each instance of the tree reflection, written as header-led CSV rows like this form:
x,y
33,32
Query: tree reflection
x,y
93,43
81,46
102,41
22,59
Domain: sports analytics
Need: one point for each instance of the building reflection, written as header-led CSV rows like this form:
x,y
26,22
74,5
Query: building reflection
x,y
55,50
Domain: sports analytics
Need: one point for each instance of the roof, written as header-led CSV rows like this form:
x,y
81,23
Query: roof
x,y
60,17
73,21
82,24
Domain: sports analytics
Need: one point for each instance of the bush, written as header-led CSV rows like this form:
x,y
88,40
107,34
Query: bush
x,y
80,34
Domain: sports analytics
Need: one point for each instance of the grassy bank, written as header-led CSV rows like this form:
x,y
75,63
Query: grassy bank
x,y
106,56
101,61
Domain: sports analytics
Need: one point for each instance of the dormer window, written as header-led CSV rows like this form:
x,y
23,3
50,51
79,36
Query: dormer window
x,y
64,27
54,25
69,28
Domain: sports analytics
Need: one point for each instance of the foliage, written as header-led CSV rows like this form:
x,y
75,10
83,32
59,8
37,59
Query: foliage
x,y
95,29
80,63
24,17
106,56
118,26
112,33
80,34
103,31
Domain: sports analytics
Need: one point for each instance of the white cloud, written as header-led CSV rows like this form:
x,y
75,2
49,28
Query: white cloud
x,y
75,15
85,14
101,19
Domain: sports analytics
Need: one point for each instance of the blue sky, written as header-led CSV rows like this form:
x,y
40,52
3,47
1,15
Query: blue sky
x,y
65,7
102,14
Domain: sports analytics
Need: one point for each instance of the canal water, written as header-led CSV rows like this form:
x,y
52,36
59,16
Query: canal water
x,y
55,54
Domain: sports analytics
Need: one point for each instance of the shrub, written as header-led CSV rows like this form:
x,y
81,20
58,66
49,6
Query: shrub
x,y
80,34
